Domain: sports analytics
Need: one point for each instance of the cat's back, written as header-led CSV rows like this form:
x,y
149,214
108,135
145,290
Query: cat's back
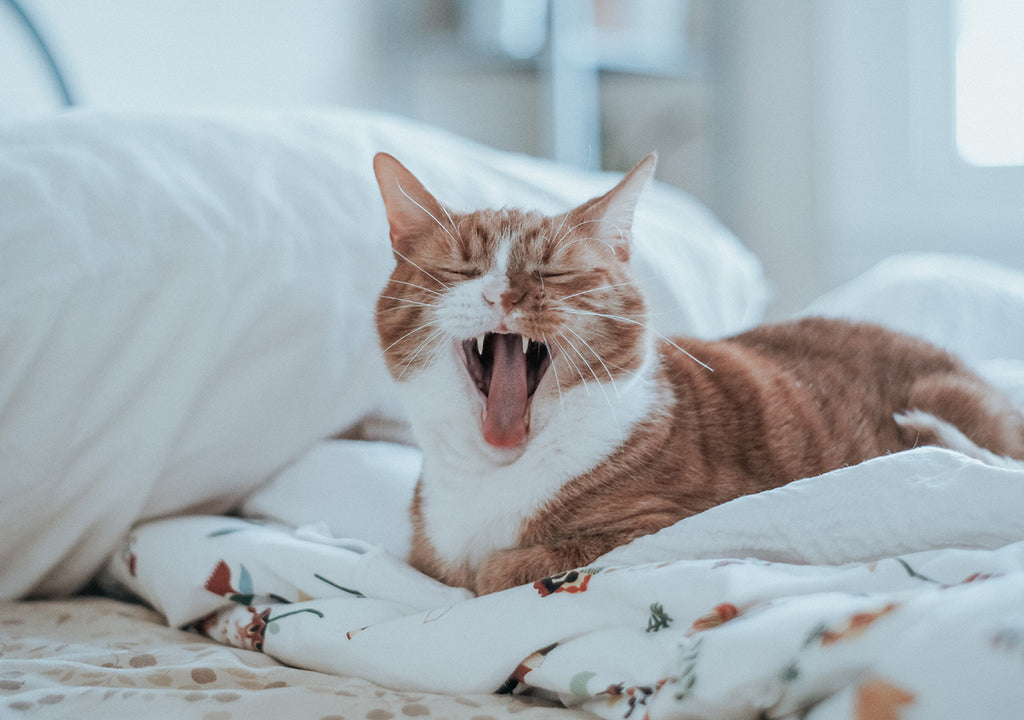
x,y
798,398
824,353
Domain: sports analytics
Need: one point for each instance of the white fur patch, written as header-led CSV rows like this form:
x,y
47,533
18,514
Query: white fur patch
x,y
950,436
475,497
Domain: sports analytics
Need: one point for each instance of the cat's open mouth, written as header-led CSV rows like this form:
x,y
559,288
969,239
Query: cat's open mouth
x,y
506,368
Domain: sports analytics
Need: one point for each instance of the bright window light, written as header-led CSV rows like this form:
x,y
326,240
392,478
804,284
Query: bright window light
x,y
990,81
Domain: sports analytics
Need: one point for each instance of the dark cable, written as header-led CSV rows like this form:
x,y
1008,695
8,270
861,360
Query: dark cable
x,y
44,49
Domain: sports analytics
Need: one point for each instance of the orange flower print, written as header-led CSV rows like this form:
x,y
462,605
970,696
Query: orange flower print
x,y
219,582
573,581
854,626
251,634
878,699
720,615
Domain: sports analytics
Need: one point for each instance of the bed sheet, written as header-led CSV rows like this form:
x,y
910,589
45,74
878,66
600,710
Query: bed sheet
x,y
92,657
901,577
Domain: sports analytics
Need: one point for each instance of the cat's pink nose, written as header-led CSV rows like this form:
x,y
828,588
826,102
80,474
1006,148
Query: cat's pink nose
x,y
494,288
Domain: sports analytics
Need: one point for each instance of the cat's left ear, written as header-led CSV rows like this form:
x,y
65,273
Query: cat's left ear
x,y
611,215
412,211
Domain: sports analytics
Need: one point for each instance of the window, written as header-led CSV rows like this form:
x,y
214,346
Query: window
x,y
911,154
990,81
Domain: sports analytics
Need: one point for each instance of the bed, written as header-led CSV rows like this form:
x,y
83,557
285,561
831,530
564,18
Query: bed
x,y
205,471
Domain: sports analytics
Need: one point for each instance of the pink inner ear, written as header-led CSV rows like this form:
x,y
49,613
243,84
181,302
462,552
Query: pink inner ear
x,y
411,209
613,212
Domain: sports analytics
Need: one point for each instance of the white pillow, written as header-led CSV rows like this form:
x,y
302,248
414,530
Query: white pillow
x,y
186,305
970,306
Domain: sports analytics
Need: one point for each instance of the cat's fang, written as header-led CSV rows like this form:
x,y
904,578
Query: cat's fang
x,y
480,345
526,344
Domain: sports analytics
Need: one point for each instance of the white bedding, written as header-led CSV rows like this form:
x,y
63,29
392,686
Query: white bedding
x,y
874,567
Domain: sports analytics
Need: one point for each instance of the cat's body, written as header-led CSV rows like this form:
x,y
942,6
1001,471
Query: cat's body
x,y
542,454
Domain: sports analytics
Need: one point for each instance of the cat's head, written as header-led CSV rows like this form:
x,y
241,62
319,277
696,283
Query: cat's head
x,y
524,309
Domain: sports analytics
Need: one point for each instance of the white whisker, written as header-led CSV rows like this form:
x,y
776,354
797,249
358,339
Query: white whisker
x,y
554,369
645,327
423,345
407,302
417,286
602,287
568,359
564,235
600,386
421,270
414,330
429,214
458,230
591,349
622,234
558,238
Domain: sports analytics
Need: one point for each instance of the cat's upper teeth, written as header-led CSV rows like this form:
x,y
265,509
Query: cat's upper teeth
x,y
480,344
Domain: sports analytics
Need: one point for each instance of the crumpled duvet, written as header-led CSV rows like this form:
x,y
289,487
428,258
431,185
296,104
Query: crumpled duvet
x,y
891,589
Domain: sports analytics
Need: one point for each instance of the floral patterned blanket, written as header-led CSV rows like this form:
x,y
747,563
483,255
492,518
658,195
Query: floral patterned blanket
x,y
893,589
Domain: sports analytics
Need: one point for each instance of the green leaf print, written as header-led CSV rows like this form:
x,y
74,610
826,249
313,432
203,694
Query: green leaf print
x,y
659,618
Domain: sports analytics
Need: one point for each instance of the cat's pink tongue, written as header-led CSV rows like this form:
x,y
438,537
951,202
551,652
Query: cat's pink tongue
x,y
505,412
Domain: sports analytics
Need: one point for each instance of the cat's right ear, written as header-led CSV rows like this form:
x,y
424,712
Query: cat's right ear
x,y
412,211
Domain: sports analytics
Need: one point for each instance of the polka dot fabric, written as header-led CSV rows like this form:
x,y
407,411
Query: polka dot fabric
x,y
100,658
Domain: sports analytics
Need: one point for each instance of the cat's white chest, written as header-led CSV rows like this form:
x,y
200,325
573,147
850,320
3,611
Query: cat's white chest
x,y
473,505
468,516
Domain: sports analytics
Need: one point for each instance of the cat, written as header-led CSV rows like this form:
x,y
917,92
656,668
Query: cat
x,y
556,425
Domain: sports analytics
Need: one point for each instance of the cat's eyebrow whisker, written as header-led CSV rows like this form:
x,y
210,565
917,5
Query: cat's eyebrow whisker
x,y
622,234
555,234
444,285
564,235
602,287
429,214
458,229
417,286
645,327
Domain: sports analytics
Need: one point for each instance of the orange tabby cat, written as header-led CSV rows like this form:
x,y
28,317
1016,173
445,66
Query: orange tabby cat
x,y
555,425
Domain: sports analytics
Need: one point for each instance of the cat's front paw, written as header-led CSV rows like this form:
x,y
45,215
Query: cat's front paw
x,y
520,566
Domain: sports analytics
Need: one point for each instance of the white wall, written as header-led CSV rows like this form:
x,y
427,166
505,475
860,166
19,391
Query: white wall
x,y
834,143
144,54
763,140
150,54
805,138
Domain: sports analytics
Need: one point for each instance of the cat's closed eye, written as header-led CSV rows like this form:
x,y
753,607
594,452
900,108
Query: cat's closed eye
x,y
465,272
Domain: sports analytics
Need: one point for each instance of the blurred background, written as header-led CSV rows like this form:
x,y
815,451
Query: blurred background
x,y
827,134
